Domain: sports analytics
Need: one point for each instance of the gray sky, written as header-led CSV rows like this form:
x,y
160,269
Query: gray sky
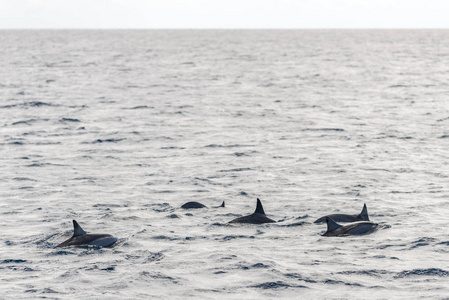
x,y
224,14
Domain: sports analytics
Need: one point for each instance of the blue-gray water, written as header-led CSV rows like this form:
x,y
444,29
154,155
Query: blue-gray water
x,y
117,129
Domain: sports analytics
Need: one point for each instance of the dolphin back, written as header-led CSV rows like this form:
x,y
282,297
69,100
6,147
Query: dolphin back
x,y
193,204
81,238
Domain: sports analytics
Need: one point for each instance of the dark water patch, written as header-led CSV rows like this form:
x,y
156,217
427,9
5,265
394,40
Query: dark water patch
x,y
398,86
19,268
172,148
47,143
26,188
331,281
164,237
275,285
403,192
173,216
372,273
207,181
144,256
423,272
238,154
236,170
13,261
27,122
299,277
443,119
24,179
219,224
445,136
323,129
61,252
44,165
232,237
160,207
38,104
157,276
165,192
444,243
64,120
109,205
425,241
259,266
140,107
226,146
99,141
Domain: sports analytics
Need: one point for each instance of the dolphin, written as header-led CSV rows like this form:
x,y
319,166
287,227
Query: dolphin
x,y
258,217
357,228
222,205
363,216
81,238
194,204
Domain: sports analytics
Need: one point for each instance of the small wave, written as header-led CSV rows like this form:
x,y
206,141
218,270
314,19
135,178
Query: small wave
x,y
331,281
13,261
164,237
38,104
374,273
226,146
275,285
426,241
236,170
423,272
173,216
27,122
99,141
299,277
323,129
24,179
63,120
141,107
232,237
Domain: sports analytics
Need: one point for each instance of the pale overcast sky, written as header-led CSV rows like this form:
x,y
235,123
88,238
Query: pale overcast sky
x,y
224,14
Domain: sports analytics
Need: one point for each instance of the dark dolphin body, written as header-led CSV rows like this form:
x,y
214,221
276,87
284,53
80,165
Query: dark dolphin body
x,y
363,216
258,217
357,228
81,238
194,204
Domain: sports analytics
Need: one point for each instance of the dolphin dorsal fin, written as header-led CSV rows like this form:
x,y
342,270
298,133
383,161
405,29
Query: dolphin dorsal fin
x,y
331,224
222,205
364,214
77,230
259,208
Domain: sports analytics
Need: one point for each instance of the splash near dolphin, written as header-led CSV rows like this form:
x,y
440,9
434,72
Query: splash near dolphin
x,y
81,238
258,217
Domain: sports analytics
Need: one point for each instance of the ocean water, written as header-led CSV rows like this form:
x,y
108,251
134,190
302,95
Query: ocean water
x,y
118,129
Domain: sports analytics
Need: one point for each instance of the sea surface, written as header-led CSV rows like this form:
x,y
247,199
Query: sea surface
x,y
118,128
